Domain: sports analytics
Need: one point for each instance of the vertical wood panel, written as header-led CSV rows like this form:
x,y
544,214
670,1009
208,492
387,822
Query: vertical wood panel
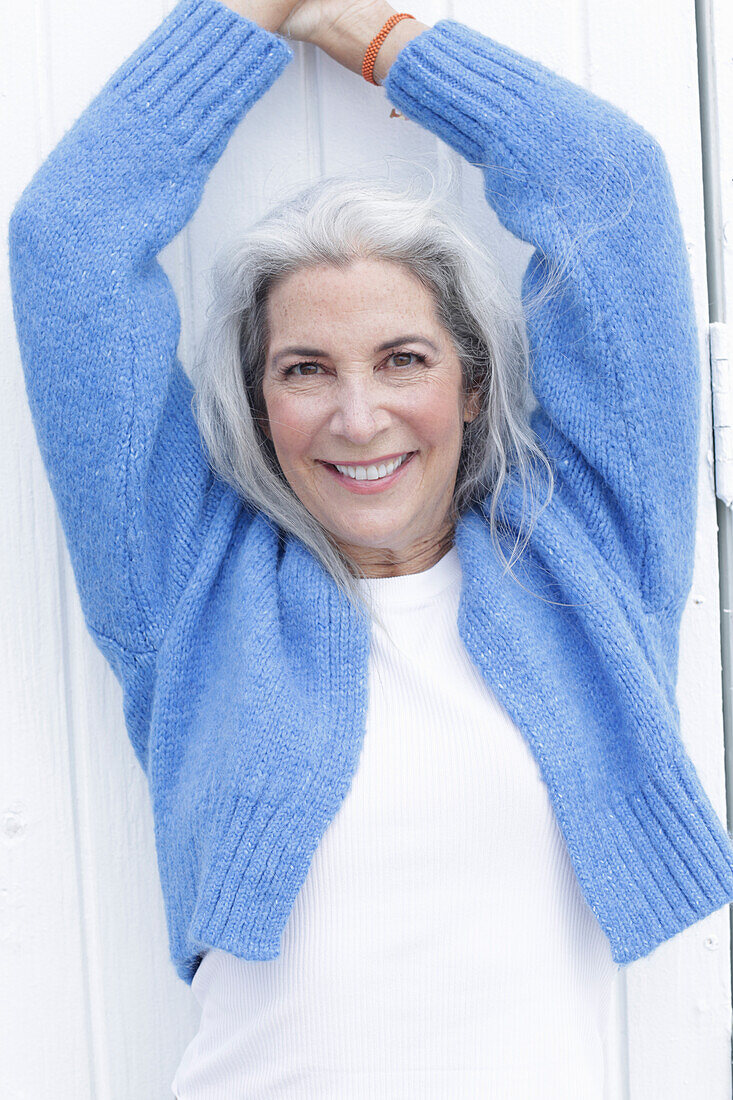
x,y
96,1009
722,79
44,966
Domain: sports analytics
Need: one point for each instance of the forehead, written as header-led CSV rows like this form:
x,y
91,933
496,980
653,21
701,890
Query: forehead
x,y
363,292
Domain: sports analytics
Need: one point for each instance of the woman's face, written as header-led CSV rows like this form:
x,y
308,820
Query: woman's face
x,y
359,372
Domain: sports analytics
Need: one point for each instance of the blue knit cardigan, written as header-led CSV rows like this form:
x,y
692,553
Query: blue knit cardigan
x,y
244,671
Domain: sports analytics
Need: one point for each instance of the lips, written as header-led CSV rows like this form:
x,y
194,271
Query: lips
x,y
364,485
373,462
362,471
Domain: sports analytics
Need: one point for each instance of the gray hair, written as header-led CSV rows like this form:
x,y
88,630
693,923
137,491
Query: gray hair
x,y
335,221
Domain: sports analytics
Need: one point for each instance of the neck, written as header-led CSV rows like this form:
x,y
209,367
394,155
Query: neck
x,y
383,562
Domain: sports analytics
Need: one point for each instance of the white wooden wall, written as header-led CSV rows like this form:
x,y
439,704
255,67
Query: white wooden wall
x,y
91,1006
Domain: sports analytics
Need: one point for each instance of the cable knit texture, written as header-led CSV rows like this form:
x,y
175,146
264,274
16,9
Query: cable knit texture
x,y
244,672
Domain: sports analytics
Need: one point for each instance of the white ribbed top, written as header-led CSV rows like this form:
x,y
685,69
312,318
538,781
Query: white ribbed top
x,y
440,945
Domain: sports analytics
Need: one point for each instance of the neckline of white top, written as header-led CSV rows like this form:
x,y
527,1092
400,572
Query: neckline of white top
x,y
412,588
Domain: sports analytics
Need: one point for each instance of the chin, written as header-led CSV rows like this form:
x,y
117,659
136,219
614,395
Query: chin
x,y
370,541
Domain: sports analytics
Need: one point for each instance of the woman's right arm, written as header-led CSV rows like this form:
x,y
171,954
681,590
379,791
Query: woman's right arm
x,y
97,320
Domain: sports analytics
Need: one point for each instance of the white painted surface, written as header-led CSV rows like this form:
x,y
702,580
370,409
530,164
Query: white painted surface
x,y
91,1005
722,22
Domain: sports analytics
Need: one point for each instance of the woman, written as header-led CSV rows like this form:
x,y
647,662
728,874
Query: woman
x,y
402,853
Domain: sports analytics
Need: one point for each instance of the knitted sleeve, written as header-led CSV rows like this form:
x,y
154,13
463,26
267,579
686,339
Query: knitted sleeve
x,y
97,321
614,351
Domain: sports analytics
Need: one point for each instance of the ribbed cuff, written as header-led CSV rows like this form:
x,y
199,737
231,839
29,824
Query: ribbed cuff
x,y
458,79
198,72
663,860
498,108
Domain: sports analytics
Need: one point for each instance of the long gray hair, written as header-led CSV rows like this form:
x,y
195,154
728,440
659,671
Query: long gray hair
x,y
335,221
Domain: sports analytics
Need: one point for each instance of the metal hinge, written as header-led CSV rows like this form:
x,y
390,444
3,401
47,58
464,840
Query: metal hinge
x,y
720,371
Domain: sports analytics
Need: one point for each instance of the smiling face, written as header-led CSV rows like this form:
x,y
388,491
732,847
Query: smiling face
x,y
359,372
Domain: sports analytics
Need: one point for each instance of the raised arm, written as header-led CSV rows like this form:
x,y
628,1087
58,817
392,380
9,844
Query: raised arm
x,y
97,321
614,352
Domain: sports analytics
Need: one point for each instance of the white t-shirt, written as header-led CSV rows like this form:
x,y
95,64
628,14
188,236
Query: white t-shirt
x,y
440,946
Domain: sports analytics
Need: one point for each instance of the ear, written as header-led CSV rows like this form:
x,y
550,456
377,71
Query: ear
x,y
472,406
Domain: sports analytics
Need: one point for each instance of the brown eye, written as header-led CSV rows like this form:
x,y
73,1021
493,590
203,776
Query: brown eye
x,y
407,355
306,374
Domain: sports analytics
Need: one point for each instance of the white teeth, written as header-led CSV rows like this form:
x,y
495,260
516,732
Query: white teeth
x,y
372,473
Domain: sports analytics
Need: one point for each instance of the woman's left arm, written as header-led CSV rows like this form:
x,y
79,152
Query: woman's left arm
x,y
614,349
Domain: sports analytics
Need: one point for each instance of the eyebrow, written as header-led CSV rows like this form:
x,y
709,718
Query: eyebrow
x,y
411,339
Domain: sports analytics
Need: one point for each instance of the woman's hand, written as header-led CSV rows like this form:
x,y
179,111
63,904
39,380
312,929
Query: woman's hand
x,y
341,28
318,20
344,29
269,14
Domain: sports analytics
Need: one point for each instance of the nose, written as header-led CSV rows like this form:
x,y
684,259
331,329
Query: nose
x,y
357,414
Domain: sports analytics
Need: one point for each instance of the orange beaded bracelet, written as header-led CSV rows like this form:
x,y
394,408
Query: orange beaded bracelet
x,y
367,68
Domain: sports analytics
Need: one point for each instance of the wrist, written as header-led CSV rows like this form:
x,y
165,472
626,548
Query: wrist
x,y
348,41
399,35
266,13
